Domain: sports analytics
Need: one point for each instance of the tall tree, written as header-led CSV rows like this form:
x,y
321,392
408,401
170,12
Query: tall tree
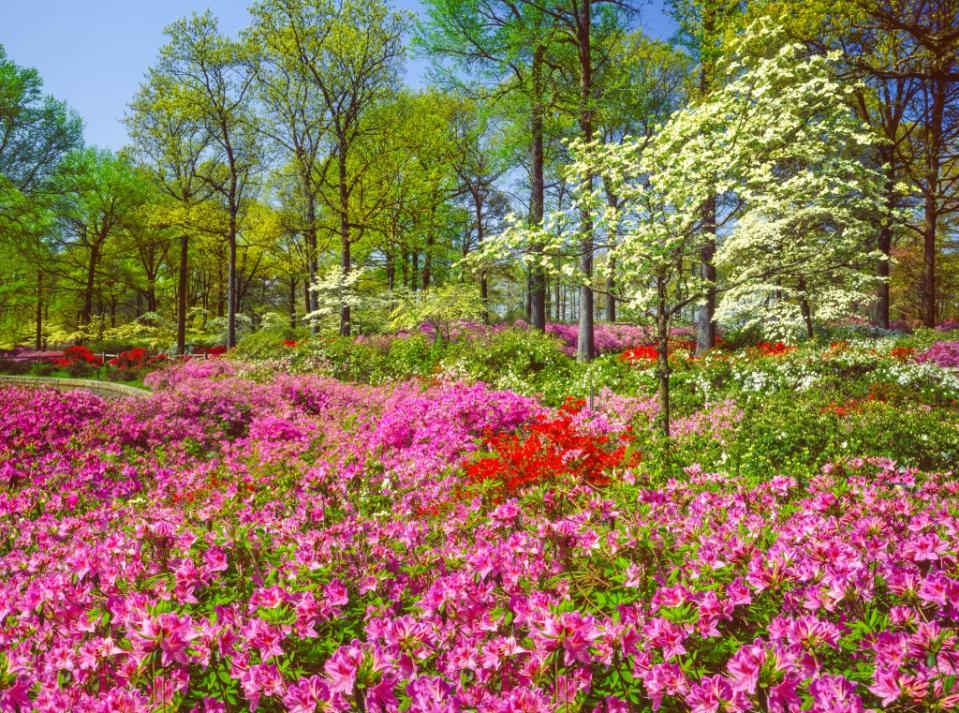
x,y
173,140
296,119
214,79
703,25
928,39
100,192
351,51
36,132
504,46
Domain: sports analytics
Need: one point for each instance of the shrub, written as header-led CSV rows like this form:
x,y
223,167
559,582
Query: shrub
x,y
136,358
124,373
14,366
80,369
44,368
78,354
944,354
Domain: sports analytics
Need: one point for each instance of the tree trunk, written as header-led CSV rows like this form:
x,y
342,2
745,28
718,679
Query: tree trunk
x,y
662,359
428,261
884,243
931,201
610,291
706,322
38,342
805,310
292,303
181,296
91,280
537,204
584,346
231,287
311,258
306,297
390,271
345,263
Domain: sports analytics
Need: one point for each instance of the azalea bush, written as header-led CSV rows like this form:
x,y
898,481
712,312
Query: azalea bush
x,y
302,544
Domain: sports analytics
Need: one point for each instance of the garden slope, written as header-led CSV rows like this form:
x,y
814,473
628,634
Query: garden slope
x,y
231,545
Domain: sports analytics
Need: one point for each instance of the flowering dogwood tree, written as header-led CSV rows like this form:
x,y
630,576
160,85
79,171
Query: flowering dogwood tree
x,y
778,144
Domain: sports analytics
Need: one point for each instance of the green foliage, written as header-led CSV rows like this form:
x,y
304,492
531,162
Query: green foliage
x,y
440,308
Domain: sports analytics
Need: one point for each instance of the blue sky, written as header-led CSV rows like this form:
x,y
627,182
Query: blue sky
x,y
93,53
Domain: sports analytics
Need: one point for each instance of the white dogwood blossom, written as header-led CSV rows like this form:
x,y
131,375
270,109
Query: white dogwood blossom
x,y
778,146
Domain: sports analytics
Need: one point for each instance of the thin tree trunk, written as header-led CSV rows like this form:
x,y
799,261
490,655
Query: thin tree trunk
x,y
884,243
931,202
706,322
181,297
38,342
390,271
805,310
292,303
306,297
91,279
585,347
231,295
662,359
311,257
537,301
345,262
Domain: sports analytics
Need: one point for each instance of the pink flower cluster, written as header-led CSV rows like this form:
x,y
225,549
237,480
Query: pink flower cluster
x,y
307,545
944,354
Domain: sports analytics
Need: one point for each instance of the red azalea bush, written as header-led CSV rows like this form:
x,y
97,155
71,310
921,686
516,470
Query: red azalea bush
x,y
648,352
773,349
135,358
78,354
902,353
553,446
636,355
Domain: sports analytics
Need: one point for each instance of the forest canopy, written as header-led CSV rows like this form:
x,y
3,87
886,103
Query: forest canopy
x,y
771,165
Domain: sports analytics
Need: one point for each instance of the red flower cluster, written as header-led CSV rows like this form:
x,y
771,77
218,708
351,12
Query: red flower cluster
x,y
289,343
649,352
902,353
216,351
135,358
770,349
78,355
552,447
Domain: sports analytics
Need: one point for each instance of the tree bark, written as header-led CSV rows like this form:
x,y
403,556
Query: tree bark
x,y
292,305
231,287
537,307
706,322
345,262
585,345
181,296
884,244
931,200
311,257
38,342
805,310
662,358
91,280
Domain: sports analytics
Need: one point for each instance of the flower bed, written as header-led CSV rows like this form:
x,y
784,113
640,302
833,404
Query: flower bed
x,y
304,545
